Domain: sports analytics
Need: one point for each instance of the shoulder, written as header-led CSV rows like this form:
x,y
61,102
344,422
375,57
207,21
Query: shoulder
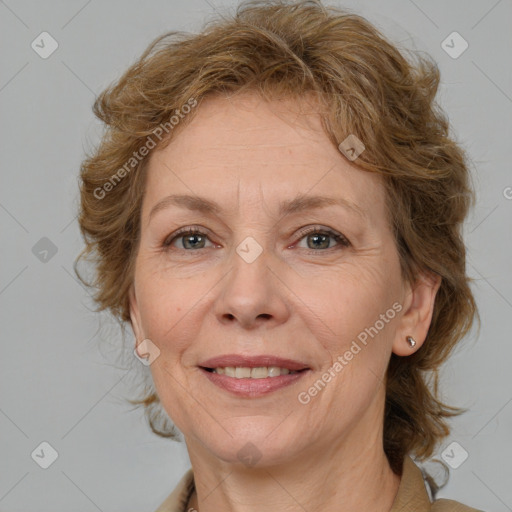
x,y
412,493
443,505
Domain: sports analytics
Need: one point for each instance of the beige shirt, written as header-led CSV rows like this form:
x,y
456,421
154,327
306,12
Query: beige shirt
x,y
412,494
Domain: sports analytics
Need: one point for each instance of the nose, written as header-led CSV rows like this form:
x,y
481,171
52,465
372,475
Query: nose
x,y
253,293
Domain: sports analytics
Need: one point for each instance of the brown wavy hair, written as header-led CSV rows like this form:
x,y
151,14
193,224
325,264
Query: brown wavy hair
x,y
368,87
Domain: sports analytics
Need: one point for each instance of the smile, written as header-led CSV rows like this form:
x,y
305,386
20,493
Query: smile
x,y
244,372
241,382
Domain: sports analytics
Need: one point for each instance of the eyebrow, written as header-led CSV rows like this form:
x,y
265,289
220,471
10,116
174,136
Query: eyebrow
x,y
300,203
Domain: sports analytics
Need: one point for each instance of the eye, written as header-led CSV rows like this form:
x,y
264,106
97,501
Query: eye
x,y
187,238
320,238
316,238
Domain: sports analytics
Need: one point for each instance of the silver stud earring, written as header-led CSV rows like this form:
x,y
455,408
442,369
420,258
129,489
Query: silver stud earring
x,y
411,341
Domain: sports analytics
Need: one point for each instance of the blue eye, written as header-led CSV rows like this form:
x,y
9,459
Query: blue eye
x,y
319,238
192,238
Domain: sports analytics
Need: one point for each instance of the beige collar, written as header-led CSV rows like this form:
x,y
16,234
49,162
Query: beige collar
x,y
412,494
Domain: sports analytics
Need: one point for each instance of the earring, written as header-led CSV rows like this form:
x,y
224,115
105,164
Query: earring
x,y
411,341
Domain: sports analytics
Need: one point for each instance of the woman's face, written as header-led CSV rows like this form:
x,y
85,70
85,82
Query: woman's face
x,y
315,281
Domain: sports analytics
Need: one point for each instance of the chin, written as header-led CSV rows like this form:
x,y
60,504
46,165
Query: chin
x,y
254,446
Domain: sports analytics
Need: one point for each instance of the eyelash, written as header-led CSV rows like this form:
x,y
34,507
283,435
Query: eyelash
x,y
342,240
189,231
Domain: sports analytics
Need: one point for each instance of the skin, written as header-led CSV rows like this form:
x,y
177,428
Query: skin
x,y
301,298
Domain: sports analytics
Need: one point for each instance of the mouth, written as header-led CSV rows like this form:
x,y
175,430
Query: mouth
x,y
258,372
252,376
245,362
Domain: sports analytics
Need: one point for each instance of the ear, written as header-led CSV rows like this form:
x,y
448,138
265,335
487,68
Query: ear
x,y
135,315
418,310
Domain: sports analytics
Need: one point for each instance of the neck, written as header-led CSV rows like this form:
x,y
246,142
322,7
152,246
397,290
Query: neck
x,y
347,477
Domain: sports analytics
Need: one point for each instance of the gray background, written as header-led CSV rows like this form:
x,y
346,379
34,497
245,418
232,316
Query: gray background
x,y
59,377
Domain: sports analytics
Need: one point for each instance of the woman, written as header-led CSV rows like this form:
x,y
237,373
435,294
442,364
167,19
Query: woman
x,y
276,209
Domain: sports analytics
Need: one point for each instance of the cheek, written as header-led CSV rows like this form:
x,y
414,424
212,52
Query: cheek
x,y
164,308
341,305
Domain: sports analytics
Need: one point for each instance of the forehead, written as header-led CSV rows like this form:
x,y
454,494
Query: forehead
x,y
244,149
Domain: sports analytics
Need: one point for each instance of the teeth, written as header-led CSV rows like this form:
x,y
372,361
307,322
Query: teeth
x,y
240,372
259,373
274,371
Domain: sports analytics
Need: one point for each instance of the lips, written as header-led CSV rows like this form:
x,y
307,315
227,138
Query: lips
x,y
252,387
252,362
